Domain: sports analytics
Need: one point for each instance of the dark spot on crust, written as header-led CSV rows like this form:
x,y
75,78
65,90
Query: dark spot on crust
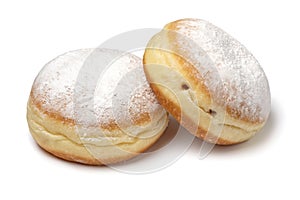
x,y
185,86
212,112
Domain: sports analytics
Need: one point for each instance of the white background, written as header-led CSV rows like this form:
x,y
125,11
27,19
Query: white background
x,y
34,32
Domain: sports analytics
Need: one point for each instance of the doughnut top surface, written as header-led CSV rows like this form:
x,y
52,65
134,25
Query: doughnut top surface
x,y
95,87
232,75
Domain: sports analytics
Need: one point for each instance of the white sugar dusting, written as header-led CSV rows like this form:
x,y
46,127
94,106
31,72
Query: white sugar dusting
x,y
233,76
95,86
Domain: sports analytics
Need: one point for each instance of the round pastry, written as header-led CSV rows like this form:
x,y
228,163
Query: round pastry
x,y
94,106
208,81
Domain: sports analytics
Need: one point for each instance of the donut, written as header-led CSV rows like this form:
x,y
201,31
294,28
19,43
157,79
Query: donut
x,y
208,81
94,106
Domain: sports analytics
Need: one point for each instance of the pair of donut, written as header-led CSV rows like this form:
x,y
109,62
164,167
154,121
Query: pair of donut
x,y
101,106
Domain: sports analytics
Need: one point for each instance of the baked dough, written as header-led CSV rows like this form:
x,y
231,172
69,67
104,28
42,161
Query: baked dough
x,y
79,116
208,81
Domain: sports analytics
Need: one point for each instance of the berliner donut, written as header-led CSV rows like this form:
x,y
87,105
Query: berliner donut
x,y
208,81
81,115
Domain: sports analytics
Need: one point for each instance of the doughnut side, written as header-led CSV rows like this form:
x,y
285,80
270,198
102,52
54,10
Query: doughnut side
x,y
182,93
62,140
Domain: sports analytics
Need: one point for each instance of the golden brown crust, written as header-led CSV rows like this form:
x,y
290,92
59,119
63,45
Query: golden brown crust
x,y
175,109
61,139
142,118
74,158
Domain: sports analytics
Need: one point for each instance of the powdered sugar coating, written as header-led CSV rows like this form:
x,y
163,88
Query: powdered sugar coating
x,y
95,87
231,73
